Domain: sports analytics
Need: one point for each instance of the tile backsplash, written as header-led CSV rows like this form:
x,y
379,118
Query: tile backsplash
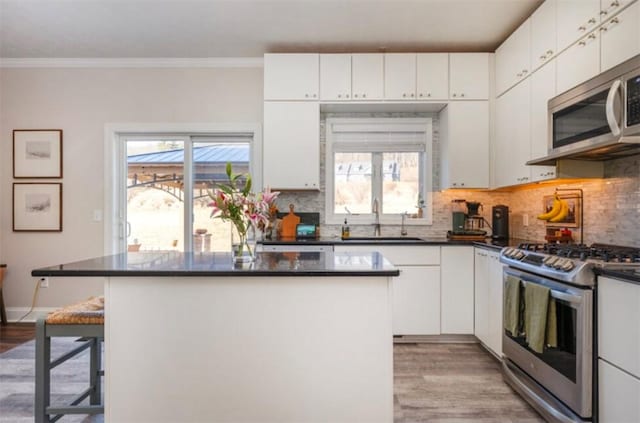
x,y
611,205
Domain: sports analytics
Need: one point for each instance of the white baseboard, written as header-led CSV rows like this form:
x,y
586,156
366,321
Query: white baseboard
x,y
14,313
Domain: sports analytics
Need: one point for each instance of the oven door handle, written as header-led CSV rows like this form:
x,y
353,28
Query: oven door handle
x,y
573,299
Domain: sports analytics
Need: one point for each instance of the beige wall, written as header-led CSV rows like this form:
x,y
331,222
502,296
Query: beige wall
x,y
80,101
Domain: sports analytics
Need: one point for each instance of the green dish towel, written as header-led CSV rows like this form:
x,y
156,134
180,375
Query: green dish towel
x,y
512,305
536,300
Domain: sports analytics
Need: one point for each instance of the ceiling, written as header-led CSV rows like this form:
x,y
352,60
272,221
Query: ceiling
x,y
250,28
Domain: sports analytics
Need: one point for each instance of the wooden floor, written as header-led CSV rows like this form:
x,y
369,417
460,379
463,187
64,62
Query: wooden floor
x,y
14,334
435,383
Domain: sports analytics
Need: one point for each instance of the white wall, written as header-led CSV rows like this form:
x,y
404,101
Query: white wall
x,y
80,101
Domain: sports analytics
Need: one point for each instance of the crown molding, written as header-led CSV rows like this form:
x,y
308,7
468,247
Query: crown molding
x,y
205,62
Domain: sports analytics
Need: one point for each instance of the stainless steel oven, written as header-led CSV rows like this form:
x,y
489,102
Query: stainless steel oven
x,y
566,370
558,380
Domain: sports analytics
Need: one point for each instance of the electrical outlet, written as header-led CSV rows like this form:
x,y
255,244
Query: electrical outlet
x,y
44,282
525,220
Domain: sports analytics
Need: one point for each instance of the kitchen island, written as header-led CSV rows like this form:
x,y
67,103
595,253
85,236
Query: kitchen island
x,y
293,337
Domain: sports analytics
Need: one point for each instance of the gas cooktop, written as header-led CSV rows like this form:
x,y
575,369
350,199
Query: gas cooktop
x,y
572,263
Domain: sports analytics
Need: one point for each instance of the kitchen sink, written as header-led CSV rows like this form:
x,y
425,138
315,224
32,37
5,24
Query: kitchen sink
x,y
382,239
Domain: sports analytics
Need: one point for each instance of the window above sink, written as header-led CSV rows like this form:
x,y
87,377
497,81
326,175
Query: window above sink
x,y
384,159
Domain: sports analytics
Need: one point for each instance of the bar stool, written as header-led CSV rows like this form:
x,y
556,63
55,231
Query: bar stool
x,y
3,311
86,321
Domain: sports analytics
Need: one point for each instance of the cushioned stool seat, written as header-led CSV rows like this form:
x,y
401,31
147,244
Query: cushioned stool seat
x,y
86,321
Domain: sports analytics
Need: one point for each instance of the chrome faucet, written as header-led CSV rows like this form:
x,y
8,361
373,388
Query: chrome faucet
x,y
403,230
376,214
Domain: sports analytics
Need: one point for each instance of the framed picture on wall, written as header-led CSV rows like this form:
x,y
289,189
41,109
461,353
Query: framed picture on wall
x,y
37,207
37,153
573,218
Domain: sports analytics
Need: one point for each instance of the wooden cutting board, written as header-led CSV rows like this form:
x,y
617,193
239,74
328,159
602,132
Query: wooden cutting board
x,y
289,223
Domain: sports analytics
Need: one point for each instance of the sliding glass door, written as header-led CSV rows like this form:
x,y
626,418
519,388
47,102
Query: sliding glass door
x,y
165,185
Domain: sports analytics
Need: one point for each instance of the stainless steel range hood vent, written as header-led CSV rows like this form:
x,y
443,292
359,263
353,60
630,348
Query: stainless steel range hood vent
x,y
628,146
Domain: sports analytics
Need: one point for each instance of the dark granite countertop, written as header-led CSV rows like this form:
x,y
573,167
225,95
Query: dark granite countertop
x,y
631,275
172,263
489,243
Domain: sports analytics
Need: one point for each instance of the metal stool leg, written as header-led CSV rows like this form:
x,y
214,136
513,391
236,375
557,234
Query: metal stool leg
x,y
94,374
43,372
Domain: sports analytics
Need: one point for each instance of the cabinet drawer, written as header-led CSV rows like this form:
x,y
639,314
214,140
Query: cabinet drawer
x,y
401,256
619,395
619,324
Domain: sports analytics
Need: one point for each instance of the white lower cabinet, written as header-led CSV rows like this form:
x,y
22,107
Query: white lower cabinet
x,y
488,299
416,301
456,290
434,293
495,303
618,351
481,308
618,395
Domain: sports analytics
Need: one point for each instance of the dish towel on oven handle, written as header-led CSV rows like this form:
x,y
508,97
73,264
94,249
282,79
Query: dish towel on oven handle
x,y
536,307
512,305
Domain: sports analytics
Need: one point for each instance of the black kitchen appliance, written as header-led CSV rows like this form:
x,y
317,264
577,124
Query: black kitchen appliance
x,y
500,222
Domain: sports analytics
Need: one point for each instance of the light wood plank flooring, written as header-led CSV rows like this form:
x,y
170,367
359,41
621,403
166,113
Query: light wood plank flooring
x,y
435,383
453,383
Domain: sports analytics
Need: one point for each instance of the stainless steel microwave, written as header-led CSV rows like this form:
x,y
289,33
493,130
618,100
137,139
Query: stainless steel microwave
x,y
598,119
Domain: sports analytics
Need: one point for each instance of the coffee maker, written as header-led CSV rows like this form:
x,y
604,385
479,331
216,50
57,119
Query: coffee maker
x,y
466,219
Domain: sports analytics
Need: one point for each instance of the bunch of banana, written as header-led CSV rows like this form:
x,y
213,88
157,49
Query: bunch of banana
x,y
558,212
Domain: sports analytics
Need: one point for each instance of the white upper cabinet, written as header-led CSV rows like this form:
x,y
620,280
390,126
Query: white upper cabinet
x,y
335,77
469,76
512,147
291,146
400,76
464,151
543,34
291,76
513,58
609,8
432,76
575,19
543,88
620,37
367,76
579,62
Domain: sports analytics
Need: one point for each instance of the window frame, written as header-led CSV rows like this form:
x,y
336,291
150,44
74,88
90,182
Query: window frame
x,y
375,125
115,173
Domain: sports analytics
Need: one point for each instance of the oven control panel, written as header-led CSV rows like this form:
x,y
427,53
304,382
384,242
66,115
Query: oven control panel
x,y
552,262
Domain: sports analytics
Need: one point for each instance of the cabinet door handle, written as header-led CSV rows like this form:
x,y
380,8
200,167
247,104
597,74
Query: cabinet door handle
x,y
339,95
454,94
543,57
420,95
364,96
582,43
462,95
582,28
412,95
355,96
615,3
347,95
592,36
614,21
549,53
524,71
603,28
428,94
603,12
519,75
592,21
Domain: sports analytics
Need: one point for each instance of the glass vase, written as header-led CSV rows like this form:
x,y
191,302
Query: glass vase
x,y
243,245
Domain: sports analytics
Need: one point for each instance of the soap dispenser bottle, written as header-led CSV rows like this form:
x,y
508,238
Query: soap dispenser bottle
x,y
345,229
